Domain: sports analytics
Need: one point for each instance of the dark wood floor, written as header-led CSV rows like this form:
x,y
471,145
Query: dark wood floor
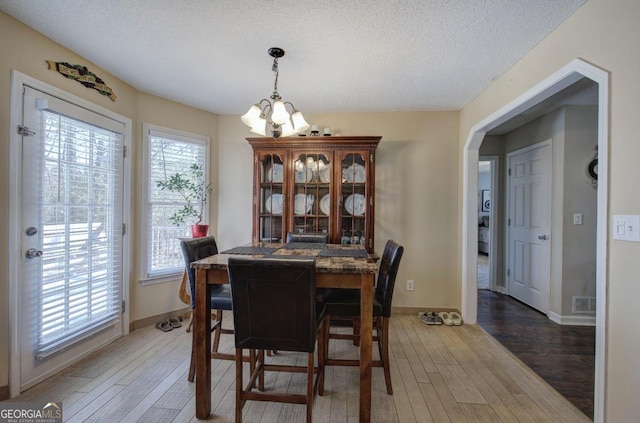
x,y
564,356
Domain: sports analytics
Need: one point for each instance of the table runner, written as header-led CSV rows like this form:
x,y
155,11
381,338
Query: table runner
x,y
250,250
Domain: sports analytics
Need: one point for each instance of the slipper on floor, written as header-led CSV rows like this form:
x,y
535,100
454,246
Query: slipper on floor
x,y
446,318
456,318
175,323
164,326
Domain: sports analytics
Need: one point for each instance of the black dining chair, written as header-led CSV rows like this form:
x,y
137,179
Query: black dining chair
x,y
196,249
311,238
346,303
274,308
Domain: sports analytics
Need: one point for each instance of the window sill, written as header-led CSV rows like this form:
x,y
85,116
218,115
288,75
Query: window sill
x,y
174,277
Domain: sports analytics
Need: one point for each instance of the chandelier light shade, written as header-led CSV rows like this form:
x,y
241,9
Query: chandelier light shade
x,y
272,116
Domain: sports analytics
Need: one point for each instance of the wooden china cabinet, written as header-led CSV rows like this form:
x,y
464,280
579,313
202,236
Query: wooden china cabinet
x,y
314,184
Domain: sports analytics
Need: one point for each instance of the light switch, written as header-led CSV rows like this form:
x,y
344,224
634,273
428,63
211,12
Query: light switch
x,y
626,227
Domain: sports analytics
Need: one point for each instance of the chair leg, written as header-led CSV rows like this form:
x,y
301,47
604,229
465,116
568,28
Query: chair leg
x,y
192,364
239,402
385,353
326,330
309,387
261,374
321,342
216,335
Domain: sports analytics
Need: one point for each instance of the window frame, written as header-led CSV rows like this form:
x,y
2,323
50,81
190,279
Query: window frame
x,y
145,277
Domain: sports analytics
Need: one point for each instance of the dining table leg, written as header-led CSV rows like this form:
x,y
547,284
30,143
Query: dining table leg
x,y
202,332
366,327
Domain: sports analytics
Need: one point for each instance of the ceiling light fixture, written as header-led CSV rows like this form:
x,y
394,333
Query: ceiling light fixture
x,y
272,114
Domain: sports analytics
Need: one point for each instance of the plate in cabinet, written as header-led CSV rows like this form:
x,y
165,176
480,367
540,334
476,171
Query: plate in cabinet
x,y
325,204
355,204
274,173
303,204
273,204
354,173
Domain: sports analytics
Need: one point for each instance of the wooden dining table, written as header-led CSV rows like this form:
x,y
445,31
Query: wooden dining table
x,y
337,266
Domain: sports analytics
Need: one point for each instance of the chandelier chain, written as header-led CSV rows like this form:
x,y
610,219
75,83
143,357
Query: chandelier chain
x,y
274,68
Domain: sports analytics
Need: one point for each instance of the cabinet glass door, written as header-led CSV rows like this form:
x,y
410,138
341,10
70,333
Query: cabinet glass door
x,y
311,192
271,197
353,199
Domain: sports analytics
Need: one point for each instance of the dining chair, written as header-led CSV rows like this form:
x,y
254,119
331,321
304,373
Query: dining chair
x,y
346,303
196,249
274,308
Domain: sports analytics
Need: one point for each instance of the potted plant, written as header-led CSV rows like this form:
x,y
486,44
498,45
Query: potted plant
x,y
195,192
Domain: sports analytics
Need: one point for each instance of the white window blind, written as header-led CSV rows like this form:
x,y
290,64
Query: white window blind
x,y
168,153
81,192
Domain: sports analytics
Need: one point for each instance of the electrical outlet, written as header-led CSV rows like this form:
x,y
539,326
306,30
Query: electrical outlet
x,y
409,285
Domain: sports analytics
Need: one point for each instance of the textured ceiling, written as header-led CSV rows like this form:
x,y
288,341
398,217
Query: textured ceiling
x,y
341,55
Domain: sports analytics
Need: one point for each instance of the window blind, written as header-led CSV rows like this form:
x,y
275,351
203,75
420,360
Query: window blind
x,y
168,154
81,200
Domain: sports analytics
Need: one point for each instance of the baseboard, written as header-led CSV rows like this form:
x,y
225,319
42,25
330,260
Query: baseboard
x,y
149,321
501,290
572,320
4,392
416,310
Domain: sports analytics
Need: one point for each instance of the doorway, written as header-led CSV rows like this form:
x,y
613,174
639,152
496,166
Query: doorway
x,y
68,251
488,217
572,73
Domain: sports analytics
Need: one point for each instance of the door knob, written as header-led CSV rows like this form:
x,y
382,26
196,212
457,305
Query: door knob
x,y
542,237
32,253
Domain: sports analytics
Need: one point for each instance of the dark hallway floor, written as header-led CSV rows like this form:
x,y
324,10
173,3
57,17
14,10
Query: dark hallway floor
x,y
564,356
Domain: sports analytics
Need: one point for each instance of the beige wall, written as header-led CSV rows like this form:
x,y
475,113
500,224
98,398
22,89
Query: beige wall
x,y
418,171
26,51
416,194
604,33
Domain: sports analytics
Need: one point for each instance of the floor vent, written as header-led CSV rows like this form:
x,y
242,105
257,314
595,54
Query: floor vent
x,y
585,305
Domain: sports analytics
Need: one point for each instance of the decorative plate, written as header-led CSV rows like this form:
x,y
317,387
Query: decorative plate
x,y
274,173
273,204
325,204
325,175
354,173
303,204
355,204
300,176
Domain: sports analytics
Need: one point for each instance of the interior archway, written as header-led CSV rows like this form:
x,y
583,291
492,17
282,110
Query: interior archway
x,y
555,83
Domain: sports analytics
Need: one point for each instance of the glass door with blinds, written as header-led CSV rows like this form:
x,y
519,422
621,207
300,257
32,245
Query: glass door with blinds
x,y
72,234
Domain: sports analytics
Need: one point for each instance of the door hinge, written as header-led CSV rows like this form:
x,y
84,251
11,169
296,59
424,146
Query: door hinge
x,y
509,222
124,151
508,272
124,229
25,131
509,172
123,306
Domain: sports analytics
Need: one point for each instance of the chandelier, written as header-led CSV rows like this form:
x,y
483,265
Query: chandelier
x,y
272,115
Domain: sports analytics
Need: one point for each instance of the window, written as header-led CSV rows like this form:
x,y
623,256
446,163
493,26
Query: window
x,y
167,152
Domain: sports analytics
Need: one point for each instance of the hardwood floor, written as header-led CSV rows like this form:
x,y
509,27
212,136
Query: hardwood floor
x,y
564,356
439,373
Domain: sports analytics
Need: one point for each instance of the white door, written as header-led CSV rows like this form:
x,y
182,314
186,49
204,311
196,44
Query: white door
x,y
71,266
530,225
